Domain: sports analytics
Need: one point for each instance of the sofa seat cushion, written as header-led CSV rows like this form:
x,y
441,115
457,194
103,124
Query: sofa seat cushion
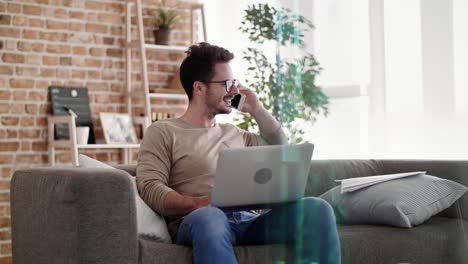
x,y
156,252
439,240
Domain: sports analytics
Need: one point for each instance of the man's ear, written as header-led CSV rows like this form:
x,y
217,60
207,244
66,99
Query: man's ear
x,y
198,88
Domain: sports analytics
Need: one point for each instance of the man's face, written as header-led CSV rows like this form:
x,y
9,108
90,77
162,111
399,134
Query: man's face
x,y
217,99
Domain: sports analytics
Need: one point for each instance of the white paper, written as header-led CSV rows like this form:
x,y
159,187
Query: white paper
x,y
354,184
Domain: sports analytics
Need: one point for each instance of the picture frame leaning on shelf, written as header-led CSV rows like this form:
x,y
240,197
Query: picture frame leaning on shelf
x,y
118,128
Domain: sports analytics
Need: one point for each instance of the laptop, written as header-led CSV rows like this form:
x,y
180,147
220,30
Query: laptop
x,y
259,177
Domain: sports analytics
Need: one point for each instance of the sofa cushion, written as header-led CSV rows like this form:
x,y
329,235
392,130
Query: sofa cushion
x,y
404,202
439,240
149,223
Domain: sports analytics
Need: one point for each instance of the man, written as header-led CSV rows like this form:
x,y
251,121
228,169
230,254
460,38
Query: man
x,y
177,162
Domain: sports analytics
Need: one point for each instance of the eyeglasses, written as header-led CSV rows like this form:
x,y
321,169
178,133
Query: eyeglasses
x,y
228,84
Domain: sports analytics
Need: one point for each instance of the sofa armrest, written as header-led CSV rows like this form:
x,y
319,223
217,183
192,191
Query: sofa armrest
x,y
73,215
455,170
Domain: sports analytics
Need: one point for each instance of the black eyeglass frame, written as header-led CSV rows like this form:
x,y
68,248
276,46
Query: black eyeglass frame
x,y
228,84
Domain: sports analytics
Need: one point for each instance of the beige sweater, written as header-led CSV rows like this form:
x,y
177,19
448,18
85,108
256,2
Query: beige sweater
x,y
179,156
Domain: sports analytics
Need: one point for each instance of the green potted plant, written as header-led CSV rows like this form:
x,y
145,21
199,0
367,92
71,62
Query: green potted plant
x,y
165,19
285,86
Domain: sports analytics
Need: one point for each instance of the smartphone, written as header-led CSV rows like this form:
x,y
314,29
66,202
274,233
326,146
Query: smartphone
x,y
238,101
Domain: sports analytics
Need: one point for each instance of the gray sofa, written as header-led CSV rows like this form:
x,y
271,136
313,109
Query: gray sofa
x,y
77,215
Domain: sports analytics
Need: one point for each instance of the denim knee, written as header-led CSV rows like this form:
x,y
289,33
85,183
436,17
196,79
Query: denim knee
x,y
207,223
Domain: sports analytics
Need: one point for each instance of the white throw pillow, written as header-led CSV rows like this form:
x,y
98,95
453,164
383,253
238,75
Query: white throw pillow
x,y
149,224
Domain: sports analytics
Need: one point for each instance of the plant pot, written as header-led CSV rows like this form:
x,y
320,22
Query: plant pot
x,y
162,36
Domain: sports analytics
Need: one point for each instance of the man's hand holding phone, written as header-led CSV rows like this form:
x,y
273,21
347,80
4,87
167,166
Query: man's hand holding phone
x,y
246,101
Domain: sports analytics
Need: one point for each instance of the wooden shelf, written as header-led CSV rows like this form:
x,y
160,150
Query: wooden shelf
x,y
107,146
168,95
166,48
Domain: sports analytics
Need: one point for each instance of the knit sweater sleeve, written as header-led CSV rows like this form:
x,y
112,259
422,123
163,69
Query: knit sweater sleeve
x,y
276,138
153,169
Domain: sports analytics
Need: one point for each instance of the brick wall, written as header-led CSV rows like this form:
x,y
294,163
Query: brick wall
x,y
70,43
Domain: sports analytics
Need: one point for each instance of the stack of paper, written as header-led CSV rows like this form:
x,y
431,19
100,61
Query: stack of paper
x,y
354,184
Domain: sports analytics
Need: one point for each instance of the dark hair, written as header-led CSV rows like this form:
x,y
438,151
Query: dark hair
x,y
199,64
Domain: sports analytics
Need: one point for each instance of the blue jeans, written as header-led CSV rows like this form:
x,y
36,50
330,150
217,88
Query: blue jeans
x,y
307,225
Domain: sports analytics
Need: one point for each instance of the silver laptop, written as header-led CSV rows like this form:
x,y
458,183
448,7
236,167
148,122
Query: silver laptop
x,y
258,177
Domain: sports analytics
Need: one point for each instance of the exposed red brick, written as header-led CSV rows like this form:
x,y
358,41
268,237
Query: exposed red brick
x,y
94,75
27,71
9,146
29,34
111,18
114,52
9,32
29,133
36,22
24,46
37,47
58,48
74,26
50,60
37,96
32,10
31,108
21,83
5,248
6,70
6,260
79,74
80,50
6,159
96,28
53,36
43,84
63,73
13,8
4,108
11,133
5,19
97,51
27,121
65,61
61,13
53,24
93,63
5,95
39,146
44,109
95,5
33,59
20,95
10,120
26,146
108,41
5,235
77,14
19,21
41,121
13,57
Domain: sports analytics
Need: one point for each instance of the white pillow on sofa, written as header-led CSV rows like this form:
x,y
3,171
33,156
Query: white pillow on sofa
x,y
149,223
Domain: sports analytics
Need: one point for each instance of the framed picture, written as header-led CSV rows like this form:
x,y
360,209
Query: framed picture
x,y
118,128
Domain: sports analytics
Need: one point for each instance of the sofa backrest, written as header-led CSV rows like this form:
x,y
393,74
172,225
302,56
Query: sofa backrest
x,y
323,173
